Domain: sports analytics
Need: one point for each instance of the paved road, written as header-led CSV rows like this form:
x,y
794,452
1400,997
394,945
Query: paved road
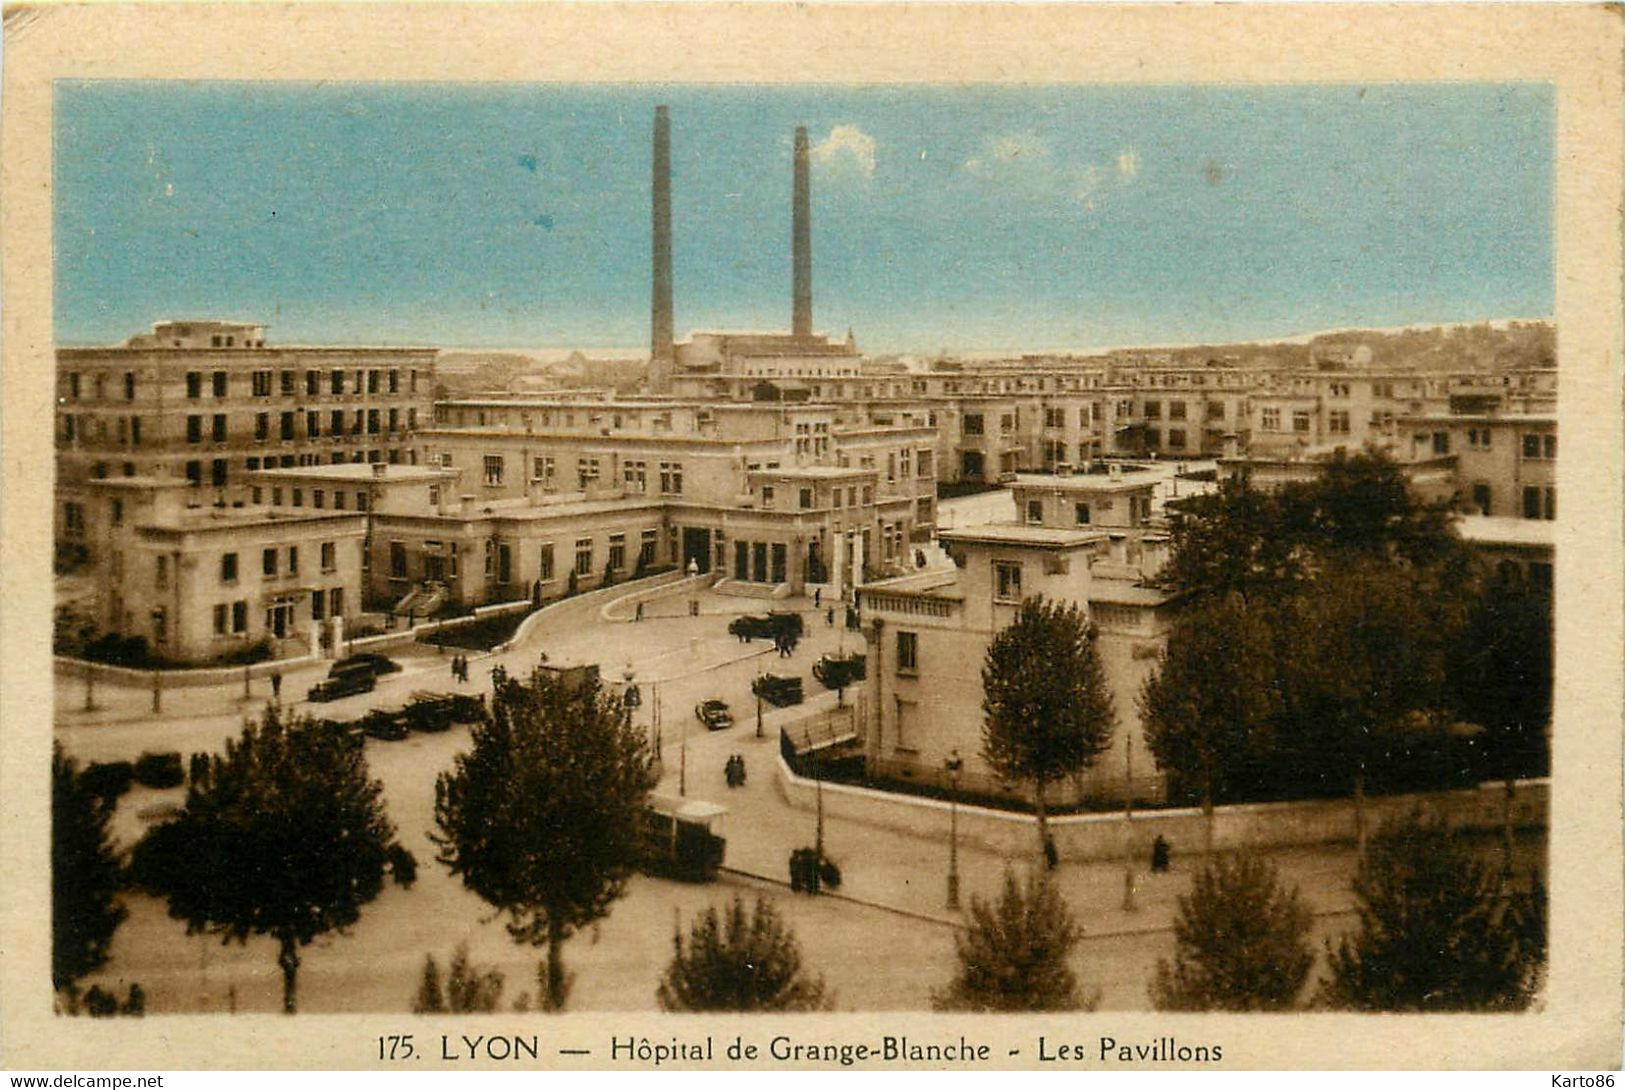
x,y
687,659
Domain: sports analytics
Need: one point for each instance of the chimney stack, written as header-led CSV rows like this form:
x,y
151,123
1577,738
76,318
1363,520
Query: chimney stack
x,y
801,241
660,306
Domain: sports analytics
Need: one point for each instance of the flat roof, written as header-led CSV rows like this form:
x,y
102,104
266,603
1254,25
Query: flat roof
x,y
359,471
817,472
1479,418
1117,592
236,518
1013,534
1086,482
518,507
1499,530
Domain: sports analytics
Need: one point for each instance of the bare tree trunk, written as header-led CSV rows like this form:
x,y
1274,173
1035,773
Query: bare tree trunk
x,y
1045,845
287,960
1207,816
1359,810
1508,796
555,965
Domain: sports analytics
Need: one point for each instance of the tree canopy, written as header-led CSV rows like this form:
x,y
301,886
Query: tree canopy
x,y
739,961
286,836
1439,930
1241,942
543,816
1243,540
1211,708
1016,953
1047,710
86,876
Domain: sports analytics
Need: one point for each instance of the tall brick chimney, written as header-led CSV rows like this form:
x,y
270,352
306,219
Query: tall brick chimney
x,y
660,306
801,241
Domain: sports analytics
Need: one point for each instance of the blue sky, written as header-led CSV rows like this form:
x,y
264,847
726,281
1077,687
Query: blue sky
x,y
972,218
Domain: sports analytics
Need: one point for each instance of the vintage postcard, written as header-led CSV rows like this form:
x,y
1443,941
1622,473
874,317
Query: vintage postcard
x,y
760,537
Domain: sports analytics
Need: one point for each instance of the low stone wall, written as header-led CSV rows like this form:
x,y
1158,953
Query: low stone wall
x,y
177,679
667,584
1106,836
404,637
583,606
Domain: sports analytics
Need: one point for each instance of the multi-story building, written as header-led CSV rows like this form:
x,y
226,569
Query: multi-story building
x,y
769,493
1505,464
202,583
1084,539
207,402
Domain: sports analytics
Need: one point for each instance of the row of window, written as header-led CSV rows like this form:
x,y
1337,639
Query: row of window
x,y
262,383
318,497
368,421
272,562
288,384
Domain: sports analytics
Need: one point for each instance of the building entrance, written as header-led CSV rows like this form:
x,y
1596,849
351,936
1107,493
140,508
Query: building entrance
x,y
696,548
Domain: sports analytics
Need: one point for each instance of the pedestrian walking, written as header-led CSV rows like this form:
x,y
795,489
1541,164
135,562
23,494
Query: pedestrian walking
x,y
818,597
276,685
638,615
829,616
454,676
1160,852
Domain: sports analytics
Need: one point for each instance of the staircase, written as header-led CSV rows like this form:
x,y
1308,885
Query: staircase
x,y
422,600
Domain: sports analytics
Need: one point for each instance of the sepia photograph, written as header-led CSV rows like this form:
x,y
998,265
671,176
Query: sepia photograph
x,y
572,552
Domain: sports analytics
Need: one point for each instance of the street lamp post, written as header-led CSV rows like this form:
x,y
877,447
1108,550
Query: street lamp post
x,y
818,835
1128,824
954,764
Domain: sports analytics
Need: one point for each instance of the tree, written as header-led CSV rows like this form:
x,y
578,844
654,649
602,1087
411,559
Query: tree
x,y
1362,664
1438,930
739,961
86,876
542,817
1501,679
287,837
468,988
1047,711
1232,541
1362,503
1014,955
1241,942
1210,708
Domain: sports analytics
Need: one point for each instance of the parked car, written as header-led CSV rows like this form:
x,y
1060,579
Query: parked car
x,y
780,690
386,724
379,664
714,714
839,671
438,711
765,626
345,679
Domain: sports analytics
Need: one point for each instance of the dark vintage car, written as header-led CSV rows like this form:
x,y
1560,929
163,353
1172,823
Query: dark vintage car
x,y
345,679
435,712
714,714
379,664
780,690
766,626
386,724
839,671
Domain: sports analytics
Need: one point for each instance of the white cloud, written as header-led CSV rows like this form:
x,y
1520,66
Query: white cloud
x,y
1022,163
847,147
1024,152
1128,164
